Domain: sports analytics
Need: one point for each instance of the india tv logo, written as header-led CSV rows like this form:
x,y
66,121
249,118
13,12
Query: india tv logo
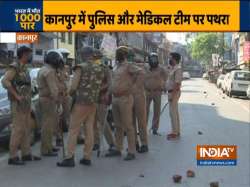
x,y
216,155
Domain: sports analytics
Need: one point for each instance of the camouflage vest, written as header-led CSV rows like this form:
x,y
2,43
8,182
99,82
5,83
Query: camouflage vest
x,y
22,84
90,83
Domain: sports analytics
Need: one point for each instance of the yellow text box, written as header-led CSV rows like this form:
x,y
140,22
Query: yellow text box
x,y
59,8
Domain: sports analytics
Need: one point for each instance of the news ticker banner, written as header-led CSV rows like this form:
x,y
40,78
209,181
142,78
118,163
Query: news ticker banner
x,y
34,16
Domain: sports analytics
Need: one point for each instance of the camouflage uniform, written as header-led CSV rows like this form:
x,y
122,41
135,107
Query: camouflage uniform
x,y
48,98
87,84
18,77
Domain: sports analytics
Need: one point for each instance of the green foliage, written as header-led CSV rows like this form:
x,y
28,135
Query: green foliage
x,y
204,45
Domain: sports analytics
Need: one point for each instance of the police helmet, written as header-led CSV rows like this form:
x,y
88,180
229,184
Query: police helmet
x,y
54,58
153,60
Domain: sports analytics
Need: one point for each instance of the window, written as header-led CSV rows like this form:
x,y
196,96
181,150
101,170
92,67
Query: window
x,y
70,38
243,76
63,37
39,52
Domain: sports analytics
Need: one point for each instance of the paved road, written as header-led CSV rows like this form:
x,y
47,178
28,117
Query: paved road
x,y
203,108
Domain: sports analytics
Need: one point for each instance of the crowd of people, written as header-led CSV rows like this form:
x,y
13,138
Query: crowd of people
x,y
95,97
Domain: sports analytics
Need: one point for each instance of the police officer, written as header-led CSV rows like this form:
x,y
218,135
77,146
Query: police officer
x,y
123,79
139,107
49,100
101,126
63,80
155,81
17,81
174,93
86,84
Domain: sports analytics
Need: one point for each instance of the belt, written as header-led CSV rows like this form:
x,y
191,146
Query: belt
x,y
169,91
121,94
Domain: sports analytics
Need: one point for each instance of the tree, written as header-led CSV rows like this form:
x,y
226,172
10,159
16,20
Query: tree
x,y
204,45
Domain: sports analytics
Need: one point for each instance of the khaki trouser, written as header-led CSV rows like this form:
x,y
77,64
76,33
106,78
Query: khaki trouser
x,y
122,112
49,121
101,125
140,117
173,111
81,114
20,132
156,98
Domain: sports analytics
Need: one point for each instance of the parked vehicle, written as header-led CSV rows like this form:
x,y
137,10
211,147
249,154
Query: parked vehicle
x,y
237,83
248,91
226,79
220,80
33,75
205,76
186,75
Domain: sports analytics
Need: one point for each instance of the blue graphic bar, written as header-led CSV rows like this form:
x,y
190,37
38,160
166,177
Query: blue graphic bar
x,y
245,15
216,162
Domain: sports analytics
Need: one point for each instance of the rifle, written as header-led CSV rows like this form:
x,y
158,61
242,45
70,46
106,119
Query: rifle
x,y
60,122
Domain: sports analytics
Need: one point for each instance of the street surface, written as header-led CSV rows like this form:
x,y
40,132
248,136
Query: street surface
x,y
221,119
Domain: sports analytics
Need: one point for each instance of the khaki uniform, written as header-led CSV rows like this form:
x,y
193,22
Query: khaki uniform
x,y
101,125
18,77
86,83
123,79
48,99
65,99
174,77
155,81
139,108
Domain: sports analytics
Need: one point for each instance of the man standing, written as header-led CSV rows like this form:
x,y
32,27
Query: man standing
x,y
63,79
123,79
139,110
155,81
174,93
48,100
86,84
17,81
101,126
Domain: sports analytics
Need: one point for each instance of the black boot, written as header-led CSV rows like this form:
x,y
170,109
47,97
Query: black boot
x,y
129,156
96,147
137,147
15,161
155,132
143,149
85,162
111,147
113,153
68,162
59,142
30,157
80,141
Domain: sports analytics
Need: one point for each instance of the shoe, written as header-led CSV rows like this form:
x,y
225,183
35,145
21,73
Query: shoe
x,y
80,141
30,157
173,136
96,147
143,149
111,147
69,162
50,154
85,162
55,149
113,153
129,157
16,161
155,132
59,143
